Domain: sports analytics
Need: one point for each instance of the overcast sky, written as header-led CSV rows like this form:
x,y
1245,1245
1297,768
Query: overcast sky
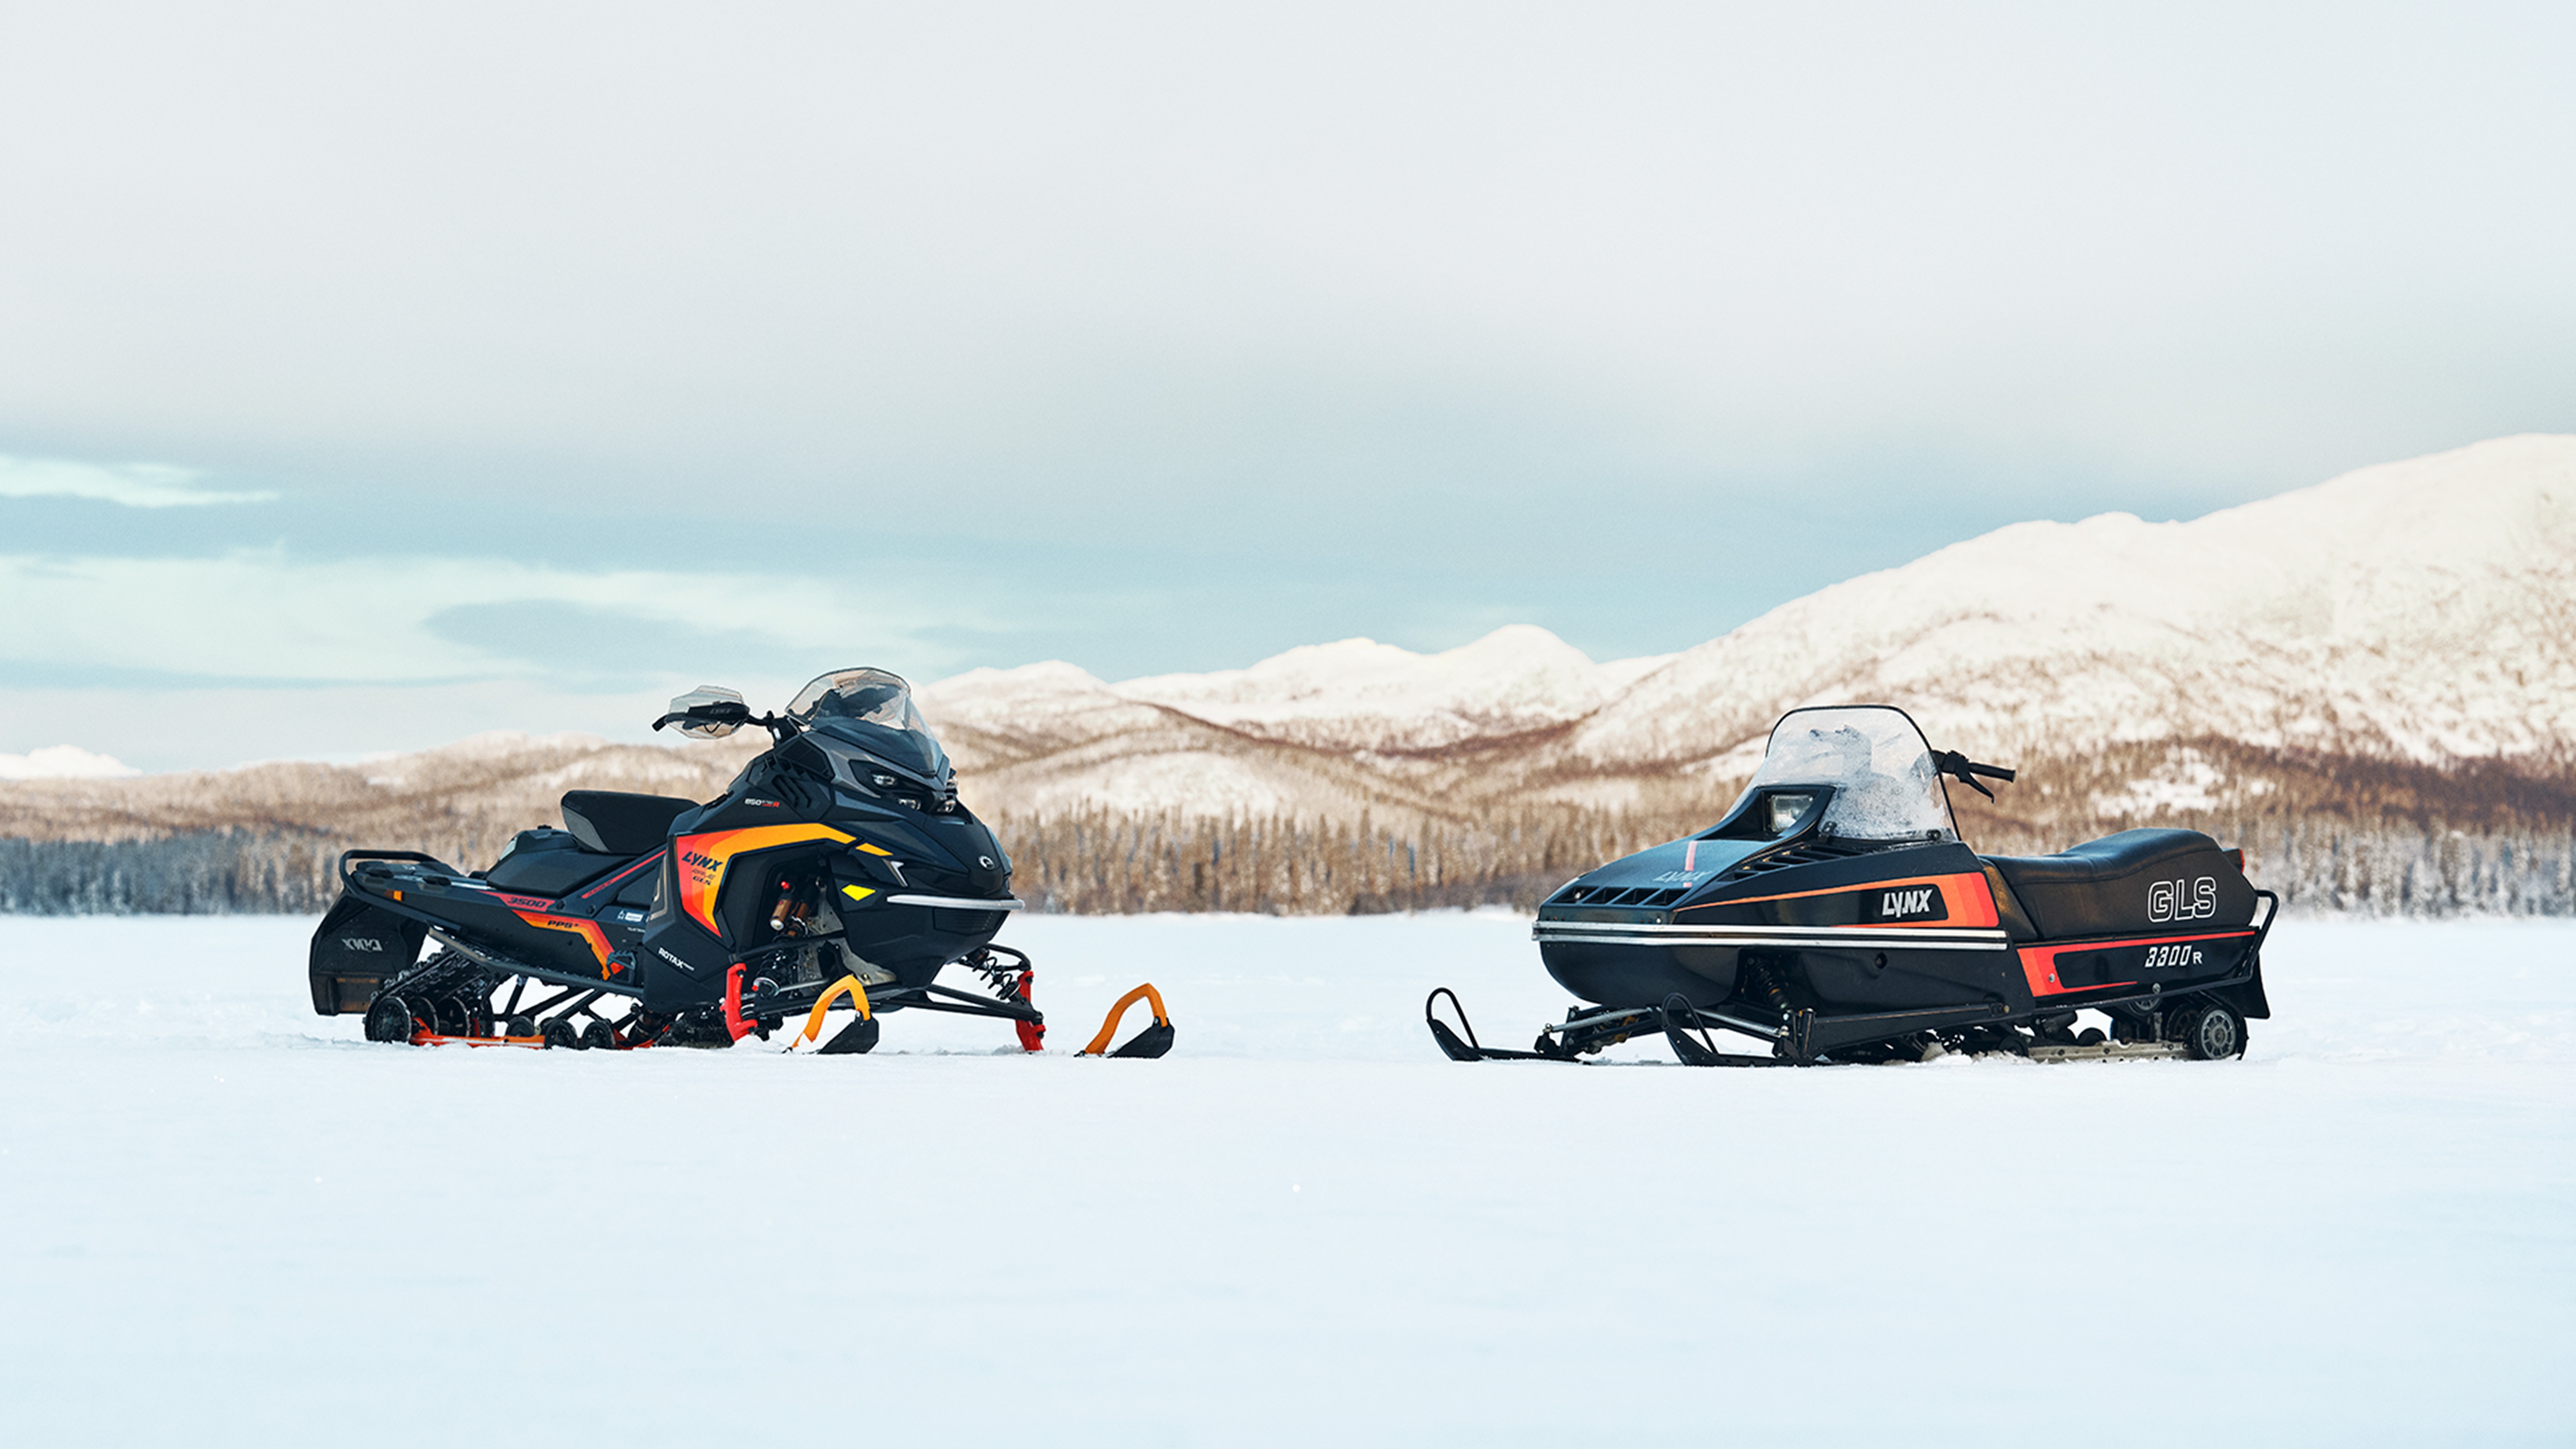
x,y
373,376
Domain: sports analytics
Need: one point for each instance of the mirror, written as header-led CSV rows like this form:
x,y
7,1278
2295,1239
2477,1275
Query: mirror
x,y
710,694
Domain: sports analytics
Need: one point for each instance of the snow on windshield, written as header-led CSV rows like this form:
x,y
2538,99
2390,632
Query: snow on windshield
x,y
1881,770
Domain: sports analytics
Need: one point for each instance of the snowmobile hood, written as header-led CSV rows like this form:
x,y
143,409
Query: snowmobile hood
x,y
1659,875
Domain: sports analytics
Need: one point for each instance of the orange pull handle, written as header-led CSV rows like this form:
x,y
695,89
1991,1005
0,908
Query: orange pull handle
x,y
847,986
1109,1028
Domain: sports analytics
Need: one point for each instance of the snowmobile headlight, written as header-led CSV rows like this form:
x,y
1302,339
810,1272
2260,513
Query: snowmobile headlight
x,y
1787,810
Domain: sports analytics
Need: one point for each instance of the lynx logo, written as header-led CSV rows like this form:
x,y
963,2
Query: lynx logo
x,y
2167,900
702,862
1904,903
1915,902
360,943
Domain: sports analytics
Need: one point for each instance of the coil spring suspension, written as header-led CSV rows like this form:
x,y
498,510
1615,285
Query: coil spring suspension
x,y
1010,975
1765,980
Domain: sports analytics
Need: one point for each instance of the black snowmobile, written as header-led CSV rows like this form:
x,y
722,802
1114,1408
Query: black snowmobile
x,y
837,871
1834,916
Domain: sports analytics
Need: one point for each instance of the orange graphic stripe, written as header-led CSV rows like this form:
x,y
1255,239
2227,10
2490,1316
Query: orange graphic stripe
x,y
1967,897
588,930
701,861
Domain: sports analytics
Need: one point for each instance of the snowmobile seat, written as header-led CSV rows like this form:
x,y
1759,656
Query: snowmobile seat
x,y
615,823
547,862
2109,886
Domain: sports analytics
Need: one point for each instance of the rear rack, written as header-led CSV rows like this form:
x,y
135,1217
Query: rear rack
x,y
348,872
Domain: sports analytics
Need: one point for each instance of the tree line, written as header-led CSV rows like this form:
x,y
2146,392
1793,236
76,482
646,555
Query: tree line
x,y
211,872
1097,862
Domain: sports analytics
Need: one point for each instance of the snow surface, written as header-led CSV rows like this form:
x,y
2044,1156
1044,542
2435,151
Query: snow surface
x,y
225,1220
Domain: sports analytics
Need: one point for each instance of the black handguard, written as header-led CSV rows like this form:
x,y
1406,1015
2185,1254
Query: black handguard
x,y
721,712
1964,770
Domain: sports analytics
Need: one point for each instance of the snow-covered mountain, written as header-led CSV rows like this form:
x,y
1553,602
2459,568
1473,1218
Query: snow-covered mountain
x,y
2420,611
1362,695
2424,610
1321,730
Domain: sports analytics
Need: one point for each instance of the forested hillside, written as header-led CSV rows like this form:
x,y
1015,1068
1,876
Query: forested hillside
x,y
2328,834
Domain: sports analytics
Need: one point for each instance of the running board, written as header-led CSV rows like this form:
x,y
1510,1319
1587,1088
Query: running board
x,y
2112,1051
1811,1035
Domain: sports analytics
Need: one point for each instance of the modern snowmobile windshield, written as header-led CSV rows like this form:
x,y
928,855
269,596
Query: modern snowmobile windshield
x,y
1877,764
873,710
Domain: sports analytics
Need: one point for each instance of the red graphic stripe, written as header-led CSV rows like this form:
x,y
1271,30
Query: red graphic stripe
x,y
2039,963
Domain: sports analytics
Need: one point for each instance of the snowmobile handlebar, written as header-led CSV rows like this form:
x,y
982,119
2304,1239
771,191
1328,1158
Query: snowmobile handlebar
x,y
731,712
1964,770
723,711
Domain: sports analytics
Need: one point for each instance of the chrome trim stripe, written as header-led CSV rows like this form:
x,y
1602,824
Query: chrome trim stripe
x,y
1826,943
960,903
1827,936
1699,930
1693,928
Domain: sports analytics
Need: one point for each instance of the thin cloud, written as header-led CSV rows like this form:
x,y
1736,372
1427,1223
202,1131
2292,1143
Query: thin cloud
x,y
264,615
132,485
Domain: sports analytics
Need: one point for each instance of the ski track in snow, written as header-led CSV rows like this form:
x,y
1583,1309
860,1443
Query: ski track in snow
x,y
225,1220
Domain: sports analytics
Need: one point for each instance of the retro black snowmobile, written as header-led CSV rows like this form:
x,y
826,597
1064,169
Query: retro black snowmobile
x,y
1834,916
837,872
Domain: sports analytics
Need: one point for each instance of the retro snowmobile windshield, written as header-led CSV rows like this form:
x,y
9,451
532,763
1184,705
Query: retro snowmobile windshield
x,y
1880,768
873,710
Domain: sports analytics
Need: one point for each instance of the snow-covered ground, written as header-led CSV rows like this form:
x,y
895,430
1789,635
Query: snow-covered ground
x,y
224,1220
